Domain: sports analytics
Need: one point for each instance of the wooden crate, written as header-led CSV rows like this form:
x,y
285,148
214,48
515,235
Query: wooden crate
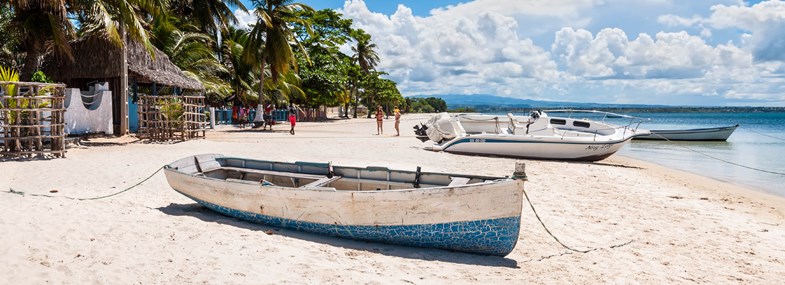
x,y
171,117
32,120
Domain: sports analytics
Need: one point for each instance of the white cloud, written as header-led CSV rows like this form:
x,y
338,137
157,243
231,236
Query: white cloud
x,y
451,52
573,51
765,21
244,19
668,55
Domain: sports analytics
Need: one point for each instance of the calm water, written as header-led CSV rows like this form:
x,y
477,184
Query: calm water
x,y
759,142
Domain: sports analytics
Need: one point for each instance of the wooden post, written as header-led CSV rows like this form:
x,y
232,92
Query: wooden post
x,y
124,83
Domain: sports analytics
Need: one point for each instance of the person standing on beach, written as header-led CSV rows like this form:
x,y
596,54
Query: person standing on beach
x,y
397,121
268,116
292,117
379,119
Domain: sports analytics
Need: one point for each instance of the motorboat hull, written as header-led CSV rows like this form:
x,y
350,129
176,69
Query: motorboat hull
x,y
532,147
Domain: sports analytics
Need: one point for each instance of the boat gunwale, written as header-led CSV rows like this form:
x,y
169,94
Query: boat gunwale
x,y
705,130
378,168
487,180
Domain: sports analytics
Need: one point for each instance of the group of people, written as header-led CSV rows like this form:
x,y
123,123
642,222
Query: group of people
x,y
380,120
239,113
269,121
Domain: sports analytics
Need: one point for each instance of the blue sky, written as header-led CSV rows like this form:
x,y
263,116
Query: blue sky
x,y
676,52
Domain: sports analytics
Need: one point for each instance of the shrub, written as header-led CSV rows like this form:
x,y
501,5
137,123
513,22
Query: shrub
x,y
39,76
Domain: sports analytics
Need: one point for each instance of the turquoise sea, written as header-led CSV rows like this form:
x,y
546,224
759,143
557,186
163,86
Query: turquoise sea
x,y
758,143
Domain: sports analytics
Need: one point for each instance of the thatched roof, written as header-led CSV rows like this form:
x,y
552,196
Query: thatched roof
x,y
96,57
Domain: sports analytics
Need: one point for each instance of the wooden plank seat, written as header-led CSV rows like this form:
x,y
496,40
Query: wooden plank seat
x,y
457,181
321,182
276,173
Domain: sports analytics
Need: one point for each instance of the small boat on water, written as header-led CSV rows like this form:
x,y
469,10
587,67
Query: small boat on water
x,y
537,136
702,134
467,213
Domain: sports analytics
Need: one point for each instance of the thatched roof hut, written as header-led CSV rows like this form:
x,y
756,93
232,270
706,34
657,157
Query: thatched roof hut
x,y
98,58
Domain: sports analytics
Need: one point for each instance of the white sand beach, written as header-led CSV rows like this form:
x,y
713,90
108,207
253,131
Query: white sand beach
x,y
673,227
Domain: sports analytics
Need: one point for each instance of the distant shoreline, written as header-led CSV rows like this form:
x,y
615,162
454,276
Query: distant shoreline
x,y
693,109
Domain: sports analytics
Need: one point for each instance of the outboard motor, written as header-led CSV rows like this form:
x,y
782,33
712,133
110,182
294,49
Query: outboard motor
x,y
420,132
533,116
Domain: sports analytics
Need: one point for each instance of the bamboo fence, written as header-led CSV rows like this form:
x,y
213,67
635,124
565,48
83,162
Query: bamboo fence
x,y
171,118
32,119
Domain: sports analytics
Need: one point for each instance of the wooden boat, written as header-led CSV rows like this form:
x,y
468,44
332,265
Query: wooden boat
x,y
467,213
537,136
704,134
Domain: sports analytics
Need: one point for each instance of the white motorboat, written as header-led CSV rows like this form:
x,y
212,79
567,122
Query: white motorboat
x,y
537,136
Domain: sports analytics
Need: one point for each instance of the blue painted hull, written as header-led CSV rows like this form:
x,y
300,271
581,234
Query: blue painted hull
x,y
488,237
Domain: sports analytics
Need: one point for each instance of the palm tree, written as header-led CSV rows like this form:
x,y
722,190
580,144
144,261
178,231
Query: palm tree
x,y
364,53
270,39
241,72
116,18
42,25
211,15
365,56
193,53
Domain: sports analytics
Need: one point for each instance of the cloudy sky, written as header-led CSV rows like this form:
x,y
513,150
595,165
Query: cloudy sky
x,y
675,52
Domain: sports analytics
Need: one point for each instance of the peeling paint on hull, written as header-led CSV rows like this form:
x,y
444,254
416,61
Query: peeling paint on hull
x,y
489,237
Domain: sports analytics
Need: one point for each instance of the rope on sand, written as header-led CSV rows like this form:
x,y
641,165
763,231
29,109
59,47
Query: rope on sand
x,y
557,239
12,191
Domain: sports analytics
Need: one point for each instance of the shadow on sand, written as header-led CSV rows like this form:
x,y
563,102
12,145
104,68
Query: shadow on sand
x,y
204,214
615,165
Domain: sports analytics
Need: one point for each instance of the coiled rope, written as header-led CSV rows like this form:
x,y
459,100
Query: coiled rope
x,y
557,239
12,191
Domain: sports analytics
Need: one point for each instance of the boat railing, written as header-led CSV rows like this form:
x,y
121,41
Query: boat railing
x,y
636,121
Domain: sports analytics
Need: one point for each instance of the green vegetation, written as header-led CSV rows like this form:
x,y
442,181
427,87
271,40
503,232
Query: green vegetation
x,y
462,110
10,75
39,76
290,55
425,105
15,100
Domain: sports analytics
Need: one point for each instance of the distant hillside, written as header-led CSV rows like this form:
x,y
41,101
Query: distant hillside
x,y
483,101
491,103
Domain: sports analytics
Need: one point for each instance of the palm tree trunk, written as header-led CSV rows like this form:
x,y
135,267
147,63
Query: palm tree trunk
x,y
260,107
370,106
31,63
356,102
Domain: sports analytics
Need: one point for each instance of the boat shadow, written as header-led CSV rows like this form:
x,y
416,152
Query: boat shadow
x,y
200,212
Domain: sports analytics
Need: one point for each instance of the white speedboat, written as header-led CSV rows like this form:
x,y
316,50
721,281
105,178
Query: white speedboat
x,y
537,136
